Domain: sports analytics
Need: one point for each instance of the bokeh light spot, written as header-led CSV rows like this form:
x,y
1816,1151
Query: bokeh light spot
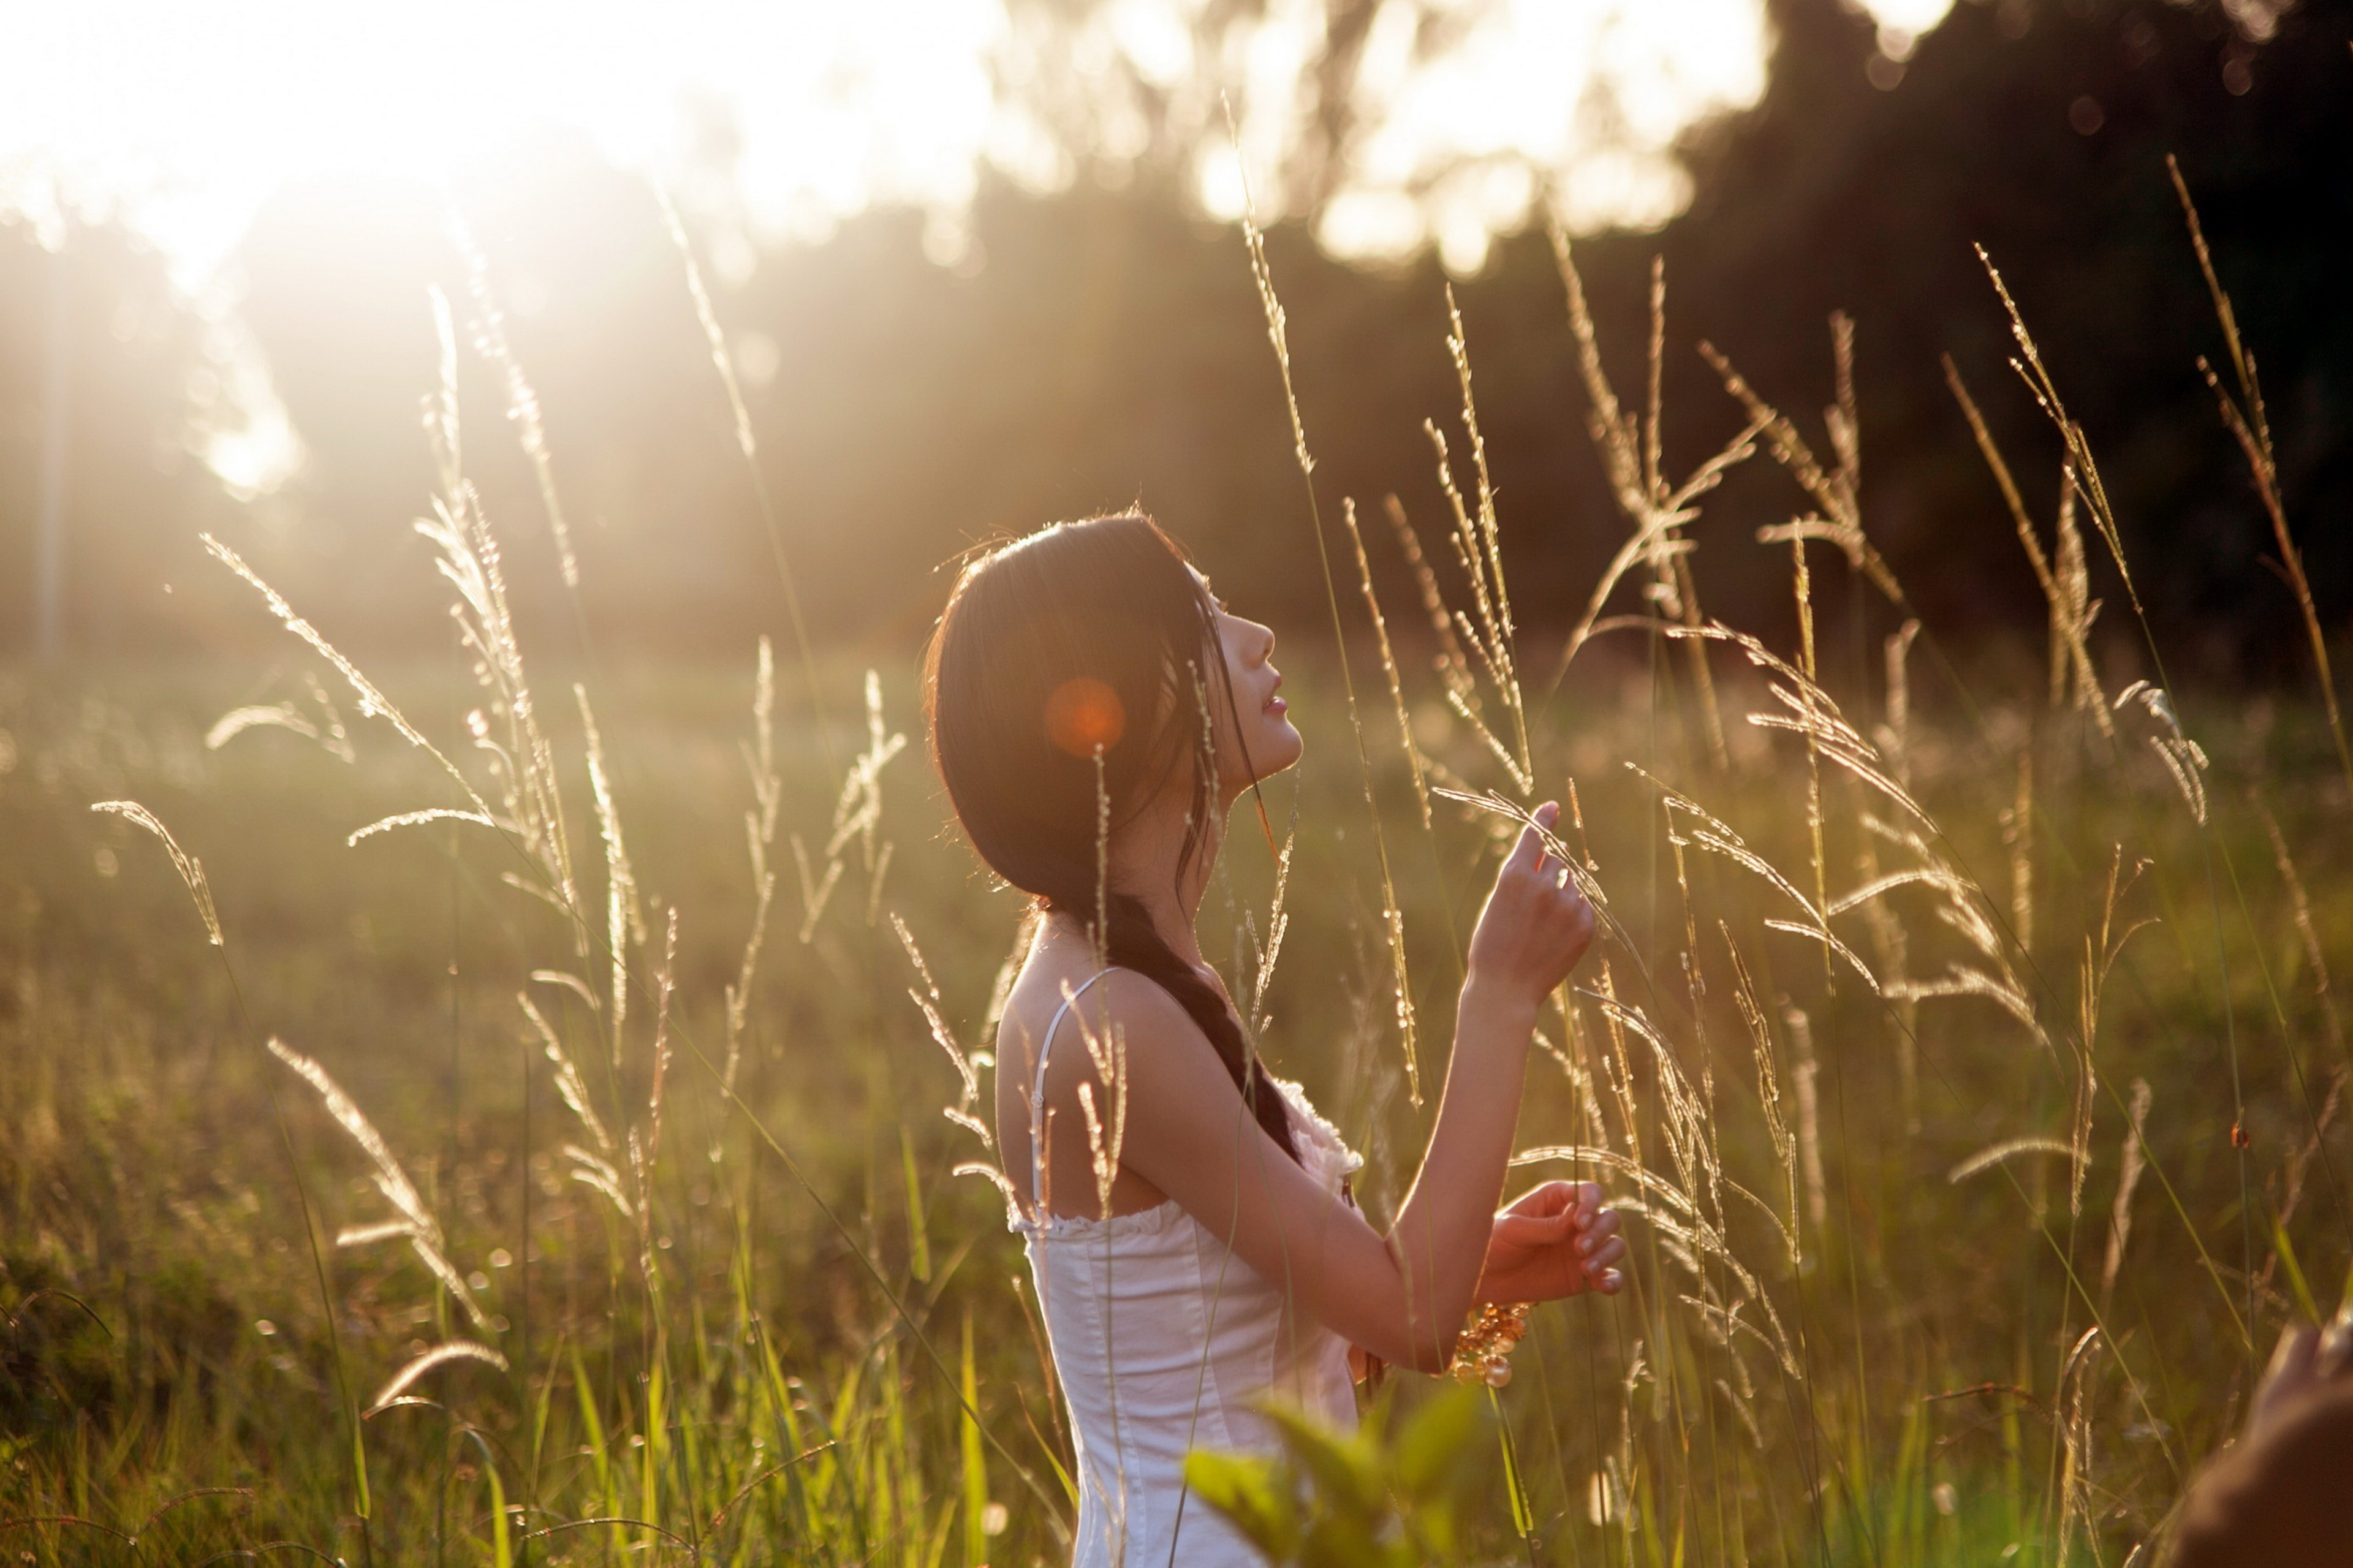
x,y
1085,715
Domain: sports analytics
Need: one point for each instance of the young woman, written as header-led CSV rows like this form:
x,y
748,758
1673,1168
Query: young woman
x,y
1095,712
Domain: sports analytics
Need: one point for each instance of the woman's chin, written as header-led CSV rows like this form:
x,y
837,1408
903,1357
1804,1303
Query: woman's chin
x,y
1280,747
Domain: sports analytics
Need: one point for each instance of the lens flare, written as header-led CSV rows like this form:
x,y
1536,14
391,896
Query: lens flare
x,y
1083,716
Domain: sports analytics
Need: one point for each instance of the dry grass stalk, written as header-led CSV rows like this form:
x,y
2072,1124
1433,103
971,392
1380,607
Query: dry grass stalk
x,y
1778,1130
373,702
2073,570
926,997
1801,584
419,818
1452,664
2299,1163
1836,491
759,836
521,755
571,982
2017,838
874,883
414,1223
1277,334
328,730
1106,1047
1615,1070
623,917
816,891
1891,950
1631,452
2066,587
858,812
2301,903
191,870
1278,925
2077,1507
569,1084
439,1355
645,1147
1717,836
1580,868
1479,634
2131,1161
2084,467
1961,906
1810,711
1803,1072
594,1168
2100,953
1895,731
1890,939
1389,659
1993,1155
1685,1231
2251,428
2184,758
1479,548
1455,671
522,403
721,360
857,815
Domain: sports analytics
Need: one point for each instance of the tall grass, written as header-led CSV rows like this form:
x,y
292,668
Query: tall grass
x,y
1906,1046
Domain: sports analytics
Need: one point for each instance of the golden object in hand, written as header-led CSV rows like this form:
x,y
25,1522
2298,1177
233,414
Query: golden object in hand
x,y
1481,1353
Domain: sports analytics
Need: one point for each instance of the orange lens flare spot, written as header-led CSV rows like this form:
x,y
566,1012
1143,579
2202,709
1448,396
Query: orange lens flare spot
x,y
1083,715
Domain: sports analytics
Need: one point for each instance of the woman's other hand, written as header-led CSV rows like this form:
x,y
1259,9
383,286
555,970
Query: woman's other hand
x,y
1536,926
1553,1241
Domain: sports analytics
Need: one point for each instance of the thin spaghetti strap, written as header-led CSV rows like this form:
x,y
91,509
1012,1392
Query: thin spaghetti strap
x,y
1037,1092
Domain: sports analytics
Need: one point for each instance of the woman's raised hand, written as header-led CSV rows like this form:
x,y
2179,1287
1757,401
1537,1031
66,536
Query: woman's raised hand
x,y
1536,926
1553,1241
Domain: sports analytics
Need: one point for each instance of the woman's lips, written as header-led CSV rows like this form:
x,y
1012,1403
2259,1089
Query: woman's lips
x,y
1277,706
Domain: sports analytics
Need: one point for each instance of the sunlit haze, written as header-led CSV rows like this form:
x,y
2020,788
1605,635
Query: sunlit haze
x,y
183,119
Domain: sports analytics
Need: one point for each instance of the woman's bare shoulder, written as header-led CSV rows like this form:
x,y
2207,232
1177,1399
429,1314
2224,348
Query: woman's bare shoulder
x,y
1108,1006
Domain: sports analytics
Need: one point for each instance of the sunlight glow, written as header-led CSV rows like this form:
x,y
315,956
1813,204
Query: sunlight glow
x,y
194,114
1473,118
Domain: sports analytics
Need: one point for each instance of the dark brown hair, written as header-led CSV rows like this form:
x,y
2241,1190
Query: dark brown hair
x,y
1090,645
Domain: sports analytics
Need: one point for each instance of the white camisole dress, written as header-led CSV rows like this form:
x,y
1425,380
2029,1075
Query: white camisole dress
x,y
1165,1340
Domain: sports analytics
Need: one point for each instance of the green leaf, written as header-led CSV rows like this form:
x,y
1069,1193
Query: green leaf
x,y
1433,1450
1254,1495
1343,1468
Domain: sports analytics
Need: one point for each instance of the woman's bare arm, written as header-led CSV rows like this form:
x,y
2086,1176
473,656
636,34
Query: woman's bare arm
x,y
1403,1296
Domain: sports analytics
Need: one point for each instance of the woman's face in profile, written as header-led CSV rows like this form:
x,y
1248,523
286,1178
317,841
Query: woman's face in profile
x,y
1269,743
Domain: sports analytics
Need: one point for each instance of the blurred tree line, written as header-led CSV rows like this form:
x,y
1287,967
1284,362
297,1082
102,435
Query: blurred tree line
x,y
1104,346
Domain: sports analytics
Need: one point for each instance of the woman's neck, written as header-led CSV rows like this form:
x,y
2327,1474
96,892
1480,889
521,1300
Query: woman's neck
x,y
1146,857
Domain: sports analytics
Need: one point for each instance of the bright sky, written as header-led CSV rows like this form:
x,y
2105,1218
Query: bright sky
x,y
185,117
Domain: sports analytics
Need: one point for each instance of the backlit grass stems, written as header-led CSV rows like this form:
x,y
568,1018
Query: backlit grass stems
x,y
1904,1048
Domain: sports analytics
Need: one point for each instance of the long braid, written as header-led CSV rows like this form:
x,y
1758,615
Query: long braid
x,y
1133,942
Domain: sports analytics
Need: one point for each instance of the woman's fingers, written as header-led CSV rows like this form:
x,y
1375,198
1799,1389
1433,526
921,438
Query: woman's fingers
x,y
1602,1229
1529,852
1598,1262
1581,1199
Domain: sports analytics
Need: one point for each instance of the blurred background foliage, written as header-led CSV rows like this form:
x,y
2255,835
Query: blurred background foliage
x,y
1099,346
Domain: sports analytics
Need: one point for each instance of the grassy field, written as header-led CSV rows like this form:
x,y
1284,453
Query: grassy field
x,y
532,1188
